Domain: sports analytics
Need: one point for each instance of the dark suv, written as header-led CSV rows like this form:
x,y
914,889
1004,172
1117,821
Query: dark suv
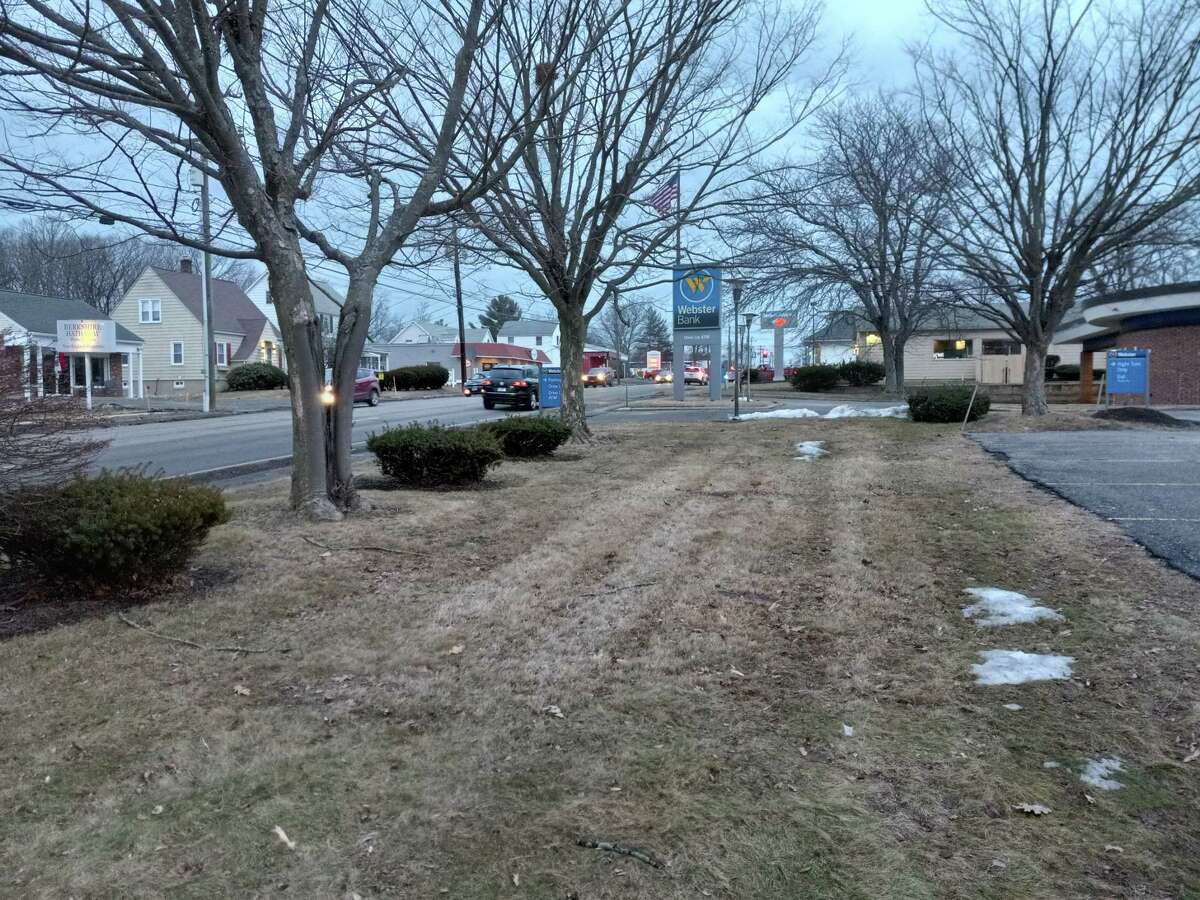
x,y
511,386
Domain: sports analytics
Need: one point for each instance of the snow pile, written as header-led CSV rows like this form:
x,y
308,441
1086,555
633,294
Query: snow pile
x,y
838,412
1017,667
810,450
1096,773
1000,607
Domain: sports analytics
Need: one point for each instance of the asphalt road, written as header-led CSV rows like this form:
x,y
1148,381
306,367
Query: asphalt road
x,y
1148,482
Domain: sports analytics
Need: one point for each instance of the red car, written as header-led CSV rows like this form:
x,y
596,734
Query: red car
x,y
366,386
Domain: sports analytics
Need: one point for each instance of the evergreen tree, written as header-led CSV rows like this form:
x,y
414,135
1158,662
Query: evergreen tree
x,y
499,310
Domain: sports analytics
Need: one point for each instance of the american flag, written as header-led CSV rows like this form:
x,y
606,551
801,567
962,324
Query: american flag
x,y
666,197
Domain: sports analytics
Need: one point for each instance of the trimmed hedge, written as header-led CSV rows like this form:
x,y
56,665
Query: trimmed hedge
x,y
947,404
431,455
429,377
255,377
524,436
1066,372
815,378
110,530
1052,361
861,372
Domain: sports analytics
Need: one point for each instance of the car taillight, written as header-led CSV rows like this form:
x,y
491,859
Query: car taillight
x,y
520,384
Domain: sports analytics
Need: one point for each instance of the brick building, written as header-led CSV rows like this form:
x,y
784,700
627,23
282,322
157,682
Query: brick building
x,y
1164,319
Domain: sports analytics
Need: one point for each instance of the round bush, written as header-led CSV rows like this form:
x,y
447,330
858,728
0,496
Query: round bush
x,y
947,404
429,377
255,377
1052,361
815,378
113,529
431,456
861,372
525,436
1066,372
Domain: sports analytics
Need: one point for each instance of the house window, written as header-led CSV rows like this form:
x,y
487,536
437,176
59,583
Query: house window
x,y
177,353
538,340
222,354
326,323
953,348
149,312
1001,348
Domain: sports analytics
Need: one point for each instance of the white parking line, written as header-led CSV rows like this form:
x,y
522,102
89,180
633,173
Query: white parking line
x,y
1148,519
1122,484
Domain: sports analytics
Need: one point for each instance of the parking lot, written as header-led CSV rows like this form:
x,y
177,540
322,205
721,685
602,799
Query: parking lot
x,y
1146,481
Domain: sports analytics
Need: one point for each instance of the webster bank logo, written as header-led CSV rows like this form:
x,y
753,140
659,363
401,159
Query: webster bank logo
x,y
697,298
696,287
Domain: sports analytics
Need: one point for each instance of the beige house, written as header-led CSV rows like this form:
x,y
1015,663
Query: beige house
x,y
956,346
163,308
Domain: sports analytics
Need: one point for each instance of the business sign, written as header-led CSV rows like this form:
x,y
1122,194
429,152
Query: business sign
x,y
774,320
696,299
86,336
1128,372
653,360
550,388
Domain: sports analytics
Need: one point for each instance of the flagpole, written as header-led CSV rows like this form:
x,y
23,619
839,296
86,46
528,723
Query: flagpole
x,y
678,218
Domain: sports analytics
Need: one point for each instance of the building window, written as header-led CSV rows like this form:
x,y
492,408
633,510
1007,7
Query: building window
x,y
953,348
177,353
538,340
149,312
1001,348
222,354
326,323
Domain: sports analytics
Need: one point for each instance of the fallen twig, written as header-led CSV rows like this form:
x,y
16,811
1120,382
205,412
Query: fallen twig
x,y
633,852
369,548
617,590
187,643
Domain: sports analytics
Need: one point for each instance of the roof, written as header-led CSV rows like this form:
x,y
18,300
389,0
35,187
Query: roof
x,y
1160,290
40,315
232,311
326,298
508,351
528,328
842,326
441,334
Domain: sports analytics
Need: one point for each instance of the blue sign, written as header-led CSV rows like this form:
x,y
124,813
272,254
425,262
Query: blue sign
x,y
551,388
1128,372
696,298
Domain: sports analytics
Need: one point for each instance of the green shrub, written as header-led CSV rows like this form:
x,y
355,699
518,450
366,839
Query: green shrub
x,y
431,455
815,378
528,435
429,377
1066,372
861,372
113,529
255,377
947,404
1052,361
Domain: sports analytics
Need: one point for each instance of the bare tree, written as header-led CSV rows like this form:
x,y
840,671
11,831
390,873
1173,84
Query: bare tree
x,y
669,94
1071,130
619,327
278,103
854,230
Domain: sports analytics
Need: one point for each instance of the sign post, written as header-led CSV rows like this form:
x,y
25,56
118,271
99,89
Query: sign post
x,y
1127,372
696,319
550,388
777,322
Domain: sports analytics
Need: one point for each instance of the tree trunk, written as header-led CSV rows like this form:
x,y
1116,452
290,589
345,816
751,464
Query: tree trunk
x,y
1033,392
301,333
353,324
573,331
893,363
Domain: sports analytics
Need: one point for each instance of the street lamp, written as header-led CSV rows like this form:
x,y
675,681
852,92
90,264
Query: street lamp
x,y
737,284
749,320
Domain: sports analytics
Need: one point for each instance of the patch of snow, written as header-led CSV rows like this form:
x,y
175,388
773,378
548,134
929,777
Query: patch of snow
x,y
1050,764
1017,667
810,450
847,730
838,412
783,414
1015,707
1001,607
1096,773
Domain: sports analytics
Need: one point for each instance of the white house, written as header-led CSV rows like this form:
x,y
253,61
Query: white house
x,y
536,334
423,331
327,300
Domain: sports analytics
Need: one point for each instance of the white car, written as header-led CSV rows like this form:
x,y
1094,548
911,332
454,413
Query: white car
x,y
694,375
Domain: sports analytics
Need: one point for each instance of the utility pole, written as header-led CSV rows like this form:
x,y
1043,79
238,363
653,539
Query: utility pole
x,y
737,285
200,178
458,299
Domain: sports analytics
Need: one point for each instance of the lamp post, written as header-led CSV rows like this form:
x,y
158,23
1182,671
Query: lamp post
x,y
749,321
737,284
200,180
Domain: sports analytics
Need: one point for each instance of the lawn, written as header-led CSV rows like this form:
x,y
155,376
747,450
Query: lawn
x,y
681,639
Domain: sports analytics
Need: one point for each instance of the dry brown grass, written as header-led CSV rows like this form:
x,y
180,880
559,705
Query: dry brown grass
x,y
705,611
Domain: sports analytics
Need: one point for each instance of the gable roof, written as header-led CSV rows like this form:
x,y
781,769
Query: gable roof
x,y
503,351
528,328
40,314
842,326
232,311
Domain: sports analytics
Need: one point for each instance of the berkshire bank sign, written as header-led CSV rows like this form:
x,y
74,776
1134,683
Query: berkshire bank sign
x,y
696,299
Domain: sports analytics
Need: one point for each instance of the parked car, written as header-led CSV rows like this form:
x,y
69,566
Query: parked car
x,y
474,384
694,375
664,376
366,386
600,376
511,386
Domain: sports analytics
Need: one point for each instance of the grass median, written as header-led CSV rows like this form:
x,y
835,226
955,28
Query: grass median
x,y
750,668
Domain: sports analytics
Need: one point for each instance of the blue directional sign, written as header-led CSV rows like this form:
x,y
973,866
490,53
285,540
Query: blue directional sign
x,y
1128,372
551,388
696,298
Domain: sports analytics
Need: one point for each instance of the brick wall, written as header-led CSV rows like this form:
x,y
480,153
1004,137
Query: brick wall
x,y
1174,362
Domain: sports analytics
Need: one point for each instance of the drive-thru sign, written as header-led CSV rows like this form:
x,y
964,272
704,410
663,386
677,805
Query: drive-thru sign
x,y
1128,372
550,387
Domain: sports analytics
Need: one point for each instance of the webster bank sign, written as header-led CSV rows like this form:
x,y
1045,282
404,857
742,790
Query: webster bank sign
x,y
696,298
86,336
